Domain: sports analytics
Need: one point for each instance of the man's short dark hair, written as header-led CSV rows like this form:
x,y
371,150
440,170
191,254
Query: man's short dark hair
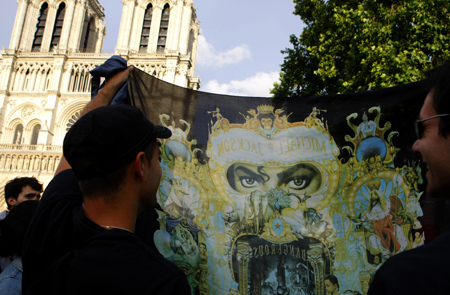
x,y
439,82
112,182
14,187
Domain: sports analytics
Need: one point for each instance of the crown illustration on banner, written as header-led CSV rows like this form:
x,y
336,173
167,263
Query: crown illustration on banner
x,y
265,109
265,120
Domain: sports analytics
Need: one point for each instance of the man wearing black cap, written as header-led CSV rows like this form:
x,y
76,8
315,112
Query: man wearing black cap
x,y
81,239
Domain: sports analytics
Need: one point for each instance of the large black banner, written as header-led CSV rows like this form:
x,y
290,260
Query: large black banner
x,y
284,196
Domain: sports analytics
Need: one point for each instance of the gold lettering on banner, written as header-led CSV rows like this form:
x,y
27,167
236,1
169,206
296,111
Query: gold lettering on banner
x,y
279,249
241,144
286,146
300,142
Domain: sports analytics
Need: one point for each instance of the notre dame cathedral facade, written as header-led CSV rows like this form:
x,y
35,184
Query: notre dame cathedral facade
x,y
44,75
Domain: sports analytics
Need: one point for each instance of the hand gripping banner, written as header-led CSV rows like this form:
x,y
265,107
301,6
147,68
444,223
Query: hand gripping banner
x,y
284,195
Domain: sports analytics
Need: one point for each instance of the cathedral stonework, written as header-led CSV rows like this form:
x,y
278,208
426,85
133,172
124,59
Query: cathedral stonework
x,y
44,75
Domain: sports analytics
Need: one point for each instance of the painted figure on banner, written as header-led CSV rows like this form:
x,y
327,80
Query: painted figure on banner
x,y
279,208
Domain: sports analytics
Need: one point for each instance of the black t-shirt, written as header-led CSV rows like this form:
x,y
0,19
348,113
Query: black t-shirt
x,y
67,253
423,270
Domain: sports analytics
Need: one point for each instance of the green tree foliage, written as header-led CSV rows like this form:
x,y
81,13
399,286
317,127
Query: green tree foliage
x,y
356,45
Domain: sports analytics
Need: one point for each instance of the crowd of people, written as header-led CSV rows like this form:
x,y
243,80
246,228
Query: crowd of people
x,y
79,237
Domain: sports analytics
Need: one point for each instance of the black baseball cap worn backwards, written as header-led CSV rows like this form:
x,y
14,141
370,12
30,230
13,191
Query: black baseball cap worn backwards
x,y
107,138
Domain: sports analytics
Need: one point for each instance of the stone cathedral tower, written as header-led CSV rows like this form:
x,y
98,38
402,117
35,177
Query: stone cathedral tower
x,y
44,75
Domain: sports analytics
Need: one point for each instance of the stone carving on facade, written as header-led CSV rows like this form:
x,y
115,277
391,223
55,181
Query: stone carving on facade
x,y
14,163
28,112
44,164
8,163
28,162
31,76
2,161
20,163
63,101
36,163
12,102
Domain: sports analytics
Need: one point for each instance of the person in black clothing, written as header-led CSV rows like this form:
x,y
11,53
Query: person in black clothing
x,y
18,190
13,229
81,239
425,270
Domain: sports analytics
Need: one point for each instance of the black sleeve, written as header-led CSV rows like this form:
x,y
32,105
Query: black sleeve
x,y
177,285
64,186
50,233
378,285
146,226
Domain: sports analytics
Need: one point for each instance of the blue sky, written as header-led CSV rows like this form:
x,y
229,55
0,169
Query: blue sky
x,y
239,47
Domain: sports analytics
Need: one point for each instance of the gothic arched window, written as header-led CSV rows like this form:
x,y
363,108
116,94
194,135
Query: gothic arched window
x,y
163,28
35,134
40,28
18,132
57,29
146,28
86,36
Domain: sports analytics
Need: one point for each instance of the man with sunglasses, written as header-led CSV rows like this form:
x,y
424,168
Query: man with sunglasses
x,y
425,270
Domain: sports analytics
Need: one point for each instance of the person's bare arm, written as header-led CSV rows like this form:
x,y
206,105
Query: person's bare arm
x,y
103,98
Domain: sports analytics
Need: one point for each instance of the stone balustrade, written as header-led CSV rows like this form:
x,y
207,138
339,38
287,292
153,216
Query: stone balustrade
x,y
29,158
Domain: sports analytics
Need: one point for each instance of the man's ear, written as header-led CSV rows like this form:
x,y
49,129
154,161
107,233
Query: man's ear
x,y
139,165
11,201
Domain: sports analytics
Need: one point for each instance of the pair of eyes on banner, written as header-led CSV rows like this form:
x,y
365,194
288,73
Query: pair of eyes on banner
x,y
301,178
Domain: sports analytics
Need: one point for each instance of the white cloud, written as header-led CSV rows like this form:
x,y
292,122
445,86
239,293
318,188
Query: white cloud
x,y
208,56
256,85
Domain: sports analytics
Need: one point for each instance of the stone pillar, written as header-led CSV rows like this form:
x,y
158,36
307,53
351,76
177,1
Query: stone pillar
x,y
77,25
26,41
125,25
67,26
154,29
22,74
4,99
37,87
182,73
101,32
8,62
32,84
173,34
171,64
136,32
51,105
50,23
19,24
196,29
185,29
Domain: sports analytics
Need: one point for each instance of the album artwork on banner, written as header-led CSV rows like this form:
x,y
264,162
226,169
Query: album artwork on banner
x,y
286,195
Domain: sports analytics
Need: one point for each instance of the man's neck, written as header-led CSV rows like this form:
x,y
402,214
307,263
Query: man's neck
x,y
111,214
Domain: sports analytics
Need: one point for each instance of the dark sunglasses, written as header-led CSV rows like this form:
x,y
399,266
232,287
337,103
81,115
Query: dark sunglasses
x,y
419,128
